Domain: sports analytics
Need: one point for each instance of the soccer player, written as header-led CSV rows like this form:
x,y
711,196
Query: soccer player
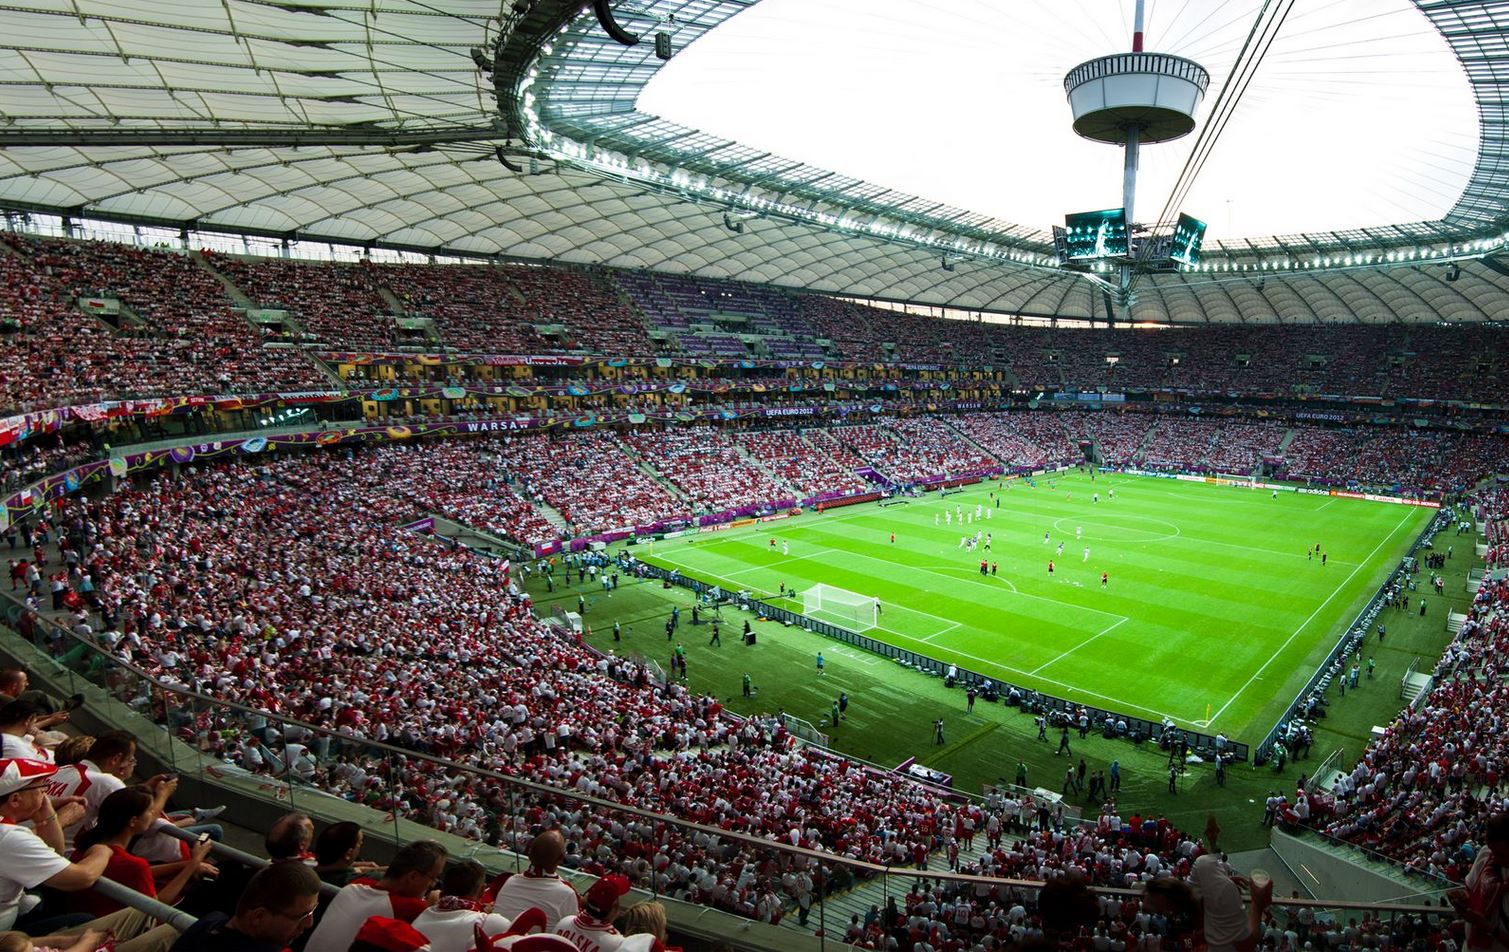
x,y
1045,538
877,606
935,519
1060,548
1078,532
785,548
948,518
1087,554
1050,566
1110,493
819,662
893,538
1104,578
987,541
1095,497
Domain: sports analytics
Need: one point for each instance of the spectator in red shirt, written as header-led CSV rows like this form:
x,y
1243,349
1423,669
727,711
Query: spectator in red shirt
x,y
125,815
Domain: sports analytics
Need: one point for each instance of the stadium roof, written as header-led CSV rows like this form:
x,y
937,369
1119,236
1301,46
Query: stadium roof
x,y
369,122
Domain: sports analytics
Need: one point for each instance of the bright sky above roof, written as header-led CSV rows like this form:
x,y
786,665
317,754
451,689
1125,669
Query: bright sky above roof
x,y
1359,115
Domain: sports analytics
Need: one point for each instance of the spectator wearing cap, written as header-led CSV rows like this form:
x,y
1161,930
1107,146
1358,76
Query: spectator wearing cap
x,y
400,894
276,906
591,930
32,857
450,925
539,886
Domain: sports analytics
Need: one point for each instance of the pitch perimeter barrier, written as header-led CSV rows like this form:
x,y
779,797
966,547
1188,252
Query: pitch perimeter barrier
x,y
1137,728
1352,637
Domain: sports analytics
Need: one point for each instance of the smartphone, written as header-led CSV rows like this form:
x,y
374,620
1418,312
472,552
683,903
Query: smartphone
x,y
204,838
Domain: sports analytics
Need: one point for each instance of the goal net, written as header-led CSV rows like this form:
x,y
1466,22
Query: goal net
x,y
840,606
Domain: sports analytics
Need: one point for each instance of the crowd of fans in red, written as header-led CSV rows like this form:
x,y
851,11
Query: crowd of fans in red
x,y
181,334
183,339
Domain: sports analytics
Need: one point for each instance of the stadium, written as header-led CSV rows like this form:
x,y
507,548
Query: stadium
x,y
754,474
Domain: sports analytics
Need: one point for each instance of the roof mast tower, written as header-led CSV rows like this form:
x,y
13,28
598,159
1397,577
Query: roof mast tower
x,y
1132,99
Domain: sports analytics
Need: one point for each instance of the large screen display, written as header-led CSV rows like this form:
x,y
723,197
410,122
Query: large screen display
x,y
1100,234
1189,234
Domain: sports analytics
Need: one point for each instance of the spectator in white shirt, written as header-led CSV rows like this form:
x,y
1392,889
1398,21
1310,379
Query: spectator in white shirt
x,y
538,887
451,924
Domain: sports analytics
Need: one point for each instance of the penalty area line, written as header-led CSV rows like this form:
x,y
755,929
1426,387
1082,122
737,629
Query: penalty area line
x,y
1104,631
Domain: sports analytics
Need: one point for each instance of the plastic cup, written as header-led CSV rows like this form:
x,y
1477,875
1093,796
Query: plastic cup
x,y
1260,878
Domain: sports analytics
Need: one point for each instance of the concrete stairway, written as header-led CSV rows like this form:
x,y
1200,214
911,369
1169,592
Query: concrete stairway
x,y
235,293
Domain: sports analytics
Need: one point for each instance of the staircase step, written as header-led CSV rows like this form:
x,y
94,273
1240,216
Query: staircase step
x,y
236,294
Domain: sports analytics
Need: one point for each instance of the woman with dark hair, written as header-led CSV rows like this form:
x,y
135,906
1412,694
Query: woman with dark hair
x,y
123,816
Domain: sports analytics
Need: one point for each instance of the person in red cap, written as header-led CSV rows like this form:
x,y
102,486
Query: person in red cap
x,y
591,930
33,856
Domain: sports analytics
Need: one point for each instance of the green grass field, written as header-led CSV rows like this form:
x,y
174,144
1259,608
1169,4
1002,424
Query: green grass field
x,y
1213,614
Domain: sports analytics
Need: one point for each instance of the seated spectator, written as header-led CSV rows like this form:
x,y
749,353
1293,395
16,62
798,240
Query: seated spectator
x,y
592,928
276,906
19,720
32,856
336,851
450,925
123,816
290,837
539,887
1485,901
382,934
90,940
400,894
109,762
647,918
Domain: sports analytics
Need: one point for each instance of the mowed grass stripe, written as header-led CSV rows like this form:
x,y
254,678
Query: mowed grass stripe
x,y
1224,606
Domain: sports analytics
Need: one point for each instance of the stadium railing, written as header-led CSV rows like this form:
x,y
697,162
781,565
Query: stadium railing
x,y
1414,664
1351,637
1138,728
126,896
175,729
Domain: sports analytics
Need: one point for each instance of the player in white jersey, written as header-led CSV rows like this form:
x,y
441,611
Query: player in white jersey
x,y
1087,554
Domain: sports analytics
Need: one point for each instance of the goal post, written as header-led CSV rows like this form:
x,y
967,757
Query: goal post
x,y
841,606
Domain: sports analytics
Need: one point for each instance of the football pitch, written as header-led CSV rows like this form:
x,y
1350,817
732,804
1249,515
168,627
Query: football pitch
x,y
1213,612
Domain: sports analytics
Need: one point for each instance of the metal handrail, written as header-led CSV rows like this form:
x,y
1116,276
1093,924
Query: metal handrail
x,y
141,902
